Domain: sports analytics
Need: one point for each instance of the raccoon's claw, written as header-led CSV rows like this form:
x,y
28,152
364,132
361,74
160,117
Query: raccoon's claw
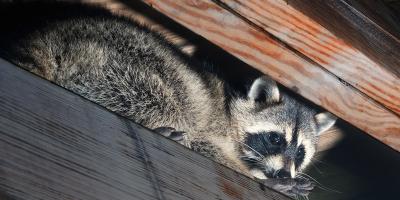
x,y
164,131
177,136
291,187
171,133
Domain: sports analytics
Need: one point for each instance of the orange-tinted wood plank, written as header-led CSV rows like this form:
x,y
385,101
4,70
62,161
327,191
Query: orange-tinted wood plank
x,y
311,39
356,27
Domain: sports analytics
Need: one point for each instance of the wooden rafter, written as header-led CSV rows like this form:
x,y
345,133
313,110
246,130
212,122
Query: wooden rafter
x,y
57,145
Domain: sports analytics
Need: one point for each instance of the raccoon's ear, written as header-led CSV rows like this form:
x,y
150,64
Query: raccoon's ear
x,y
324,120
264,89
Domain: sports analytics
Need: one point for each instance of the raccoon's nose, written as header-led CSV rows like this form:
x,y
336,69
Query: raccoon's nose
x,y
282,174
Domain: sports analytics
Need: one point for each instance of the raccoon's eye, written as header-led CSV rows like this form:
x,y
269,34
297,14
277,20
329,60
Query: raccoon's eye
x,y
275,139
300,154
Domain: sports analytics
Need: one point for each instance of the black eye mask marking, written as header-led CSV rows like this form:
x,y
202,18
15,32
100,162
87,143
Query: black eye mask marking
x,y
266,143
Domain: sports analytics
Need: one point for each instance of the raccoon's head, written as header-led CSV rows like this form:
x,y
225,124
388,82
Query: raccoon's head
x,y
278,134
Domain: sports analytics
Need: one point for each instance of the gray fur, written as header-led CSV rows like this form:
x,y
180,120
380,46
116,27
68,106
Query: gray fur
x,y
137,74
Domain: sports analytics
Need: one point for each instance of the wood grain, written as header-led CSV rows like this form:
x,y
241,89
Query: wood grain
x,y
380,13
57,145
323,47
356,28
262,51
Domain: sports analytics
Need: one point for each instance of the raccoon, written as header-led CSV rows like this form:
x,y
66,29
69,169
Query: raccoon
x,y
128,69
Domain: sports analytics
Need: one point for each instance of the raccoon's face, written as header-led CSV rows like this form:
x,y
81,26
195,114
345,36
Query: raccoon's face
x,y
278,134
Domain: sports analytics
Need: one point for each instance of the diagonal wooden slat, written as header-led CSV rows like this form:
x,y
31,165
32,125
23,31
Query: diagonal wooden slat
x,y
323,47
352,24
57,145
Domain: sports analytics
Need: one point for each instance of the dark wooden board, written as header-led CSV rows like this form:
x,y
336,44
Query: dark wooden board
x,y
57,145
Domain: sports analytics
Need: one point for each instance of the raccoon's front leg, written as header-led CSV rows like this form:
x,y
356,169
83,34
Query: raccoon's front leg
x,y
171,133
291,187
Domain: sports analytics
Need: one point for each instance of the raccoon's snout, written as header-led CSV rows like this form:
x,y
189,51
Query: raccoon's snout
x,y
281,174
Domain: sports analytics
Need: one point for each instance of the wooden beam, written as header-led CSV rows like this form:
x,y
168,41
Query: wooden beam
x,y
319,44
57,145
265,52
352,24
380,13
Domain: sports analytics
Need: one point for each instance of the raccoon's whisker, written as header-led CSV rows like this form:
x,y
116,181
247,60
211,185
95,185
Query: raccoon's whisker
x,y
328,189
250,148
316,168
276,172
320,185
300,176
254,159
310,177
314,159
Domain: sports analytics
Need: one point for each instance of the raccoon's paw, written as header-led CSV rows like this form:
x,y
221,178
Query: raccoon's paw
x,y
171,133
291,187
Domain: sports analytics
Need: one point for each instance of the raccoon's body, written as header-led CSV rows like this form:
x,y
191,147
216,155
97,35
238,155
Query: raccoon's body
x,y
137,74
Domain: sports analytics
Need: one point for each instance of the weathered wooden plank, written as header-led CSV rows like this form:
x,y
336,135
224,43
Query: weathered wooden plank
x,y
262,51
355,28
380,13
57,145
311,39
